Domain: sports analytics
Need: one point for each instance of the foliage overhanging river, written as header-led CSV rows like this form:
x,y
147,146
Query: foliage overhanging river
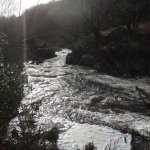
x,y
83,103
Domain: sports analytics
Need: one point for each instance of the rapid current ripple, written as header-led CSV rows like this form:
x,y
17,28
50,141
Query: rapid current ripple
x,y
85,105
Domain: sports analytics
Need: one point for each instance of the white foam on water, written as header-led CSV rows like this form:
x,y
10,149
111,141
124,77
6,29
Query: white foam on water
x,y
52,83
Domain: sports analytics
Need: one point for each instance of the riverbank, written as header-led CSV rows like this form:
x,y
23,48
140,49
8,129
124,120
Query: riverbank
x,y
116,53
81,95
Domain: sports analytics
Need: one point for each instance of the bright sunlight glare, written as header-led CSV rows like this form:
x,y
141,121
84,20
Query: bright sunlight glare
x,y
25,4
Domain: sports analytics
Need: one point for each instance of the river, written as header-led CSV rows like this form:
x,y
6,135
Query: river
x,y
85,105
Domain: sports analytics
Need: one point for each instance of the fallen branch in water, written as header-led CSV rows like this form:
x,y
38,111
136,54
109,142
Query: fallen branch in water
x,y
143,92
144,96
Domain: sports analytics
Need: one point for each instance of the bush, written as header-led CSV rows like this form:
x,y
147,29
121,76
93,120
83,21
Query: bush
x,y
82,51
29,137
11,90
119,35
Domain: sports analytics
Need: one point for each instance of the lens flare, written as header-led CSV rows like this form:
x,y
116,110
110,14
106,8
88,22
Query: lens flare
x,y
24,39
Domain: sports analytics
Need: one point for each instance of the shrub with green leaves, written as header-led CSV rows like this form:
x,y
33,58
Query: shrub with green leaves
x,y
11,89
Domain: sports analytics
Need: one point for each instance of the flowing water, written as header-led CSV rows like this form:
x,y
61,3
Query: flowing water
x,y
86,105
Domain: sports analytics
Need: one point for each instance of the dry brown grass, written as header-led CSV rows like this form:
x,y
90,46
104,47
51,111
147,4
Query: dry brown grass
x,y
143,28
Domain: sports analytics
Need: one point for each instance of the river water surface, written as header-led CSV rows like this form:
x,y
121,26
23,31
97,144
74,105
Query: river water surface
x,y
86,105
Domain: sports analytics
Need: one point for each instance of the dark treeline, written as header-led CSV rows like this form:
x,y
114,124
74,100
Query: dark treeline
x,y
110,35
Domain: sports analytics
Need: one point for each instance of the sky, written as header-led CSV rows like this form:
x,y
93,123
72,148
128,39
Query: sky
x,y
29,3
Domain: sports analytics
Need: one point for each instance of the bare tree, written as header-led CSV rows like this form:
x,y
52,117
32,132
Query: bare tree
x,y
91,14
7,7
132,12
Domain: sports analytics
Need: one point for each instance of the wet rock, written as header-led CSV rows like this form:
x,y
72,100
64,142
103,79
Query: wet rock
x,y
73,58
41,54
87,60
94,100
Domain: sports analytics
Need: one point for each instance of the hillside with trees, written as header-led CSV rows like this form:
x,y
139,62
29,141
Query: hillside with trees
x,y
79,25
110,37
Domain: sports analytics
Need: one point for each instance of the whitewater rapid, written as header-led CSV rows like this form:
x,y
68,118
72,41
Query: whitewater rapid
x,y
83,103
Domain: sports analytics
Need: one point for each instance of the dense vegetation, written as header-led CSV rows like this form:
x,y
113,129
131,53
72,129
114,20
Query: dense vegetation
x,y
11,90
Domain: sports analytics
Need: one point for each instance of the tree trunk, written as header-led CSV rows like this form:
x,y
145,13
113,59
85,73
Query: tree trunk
x,y
130,31
97,39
